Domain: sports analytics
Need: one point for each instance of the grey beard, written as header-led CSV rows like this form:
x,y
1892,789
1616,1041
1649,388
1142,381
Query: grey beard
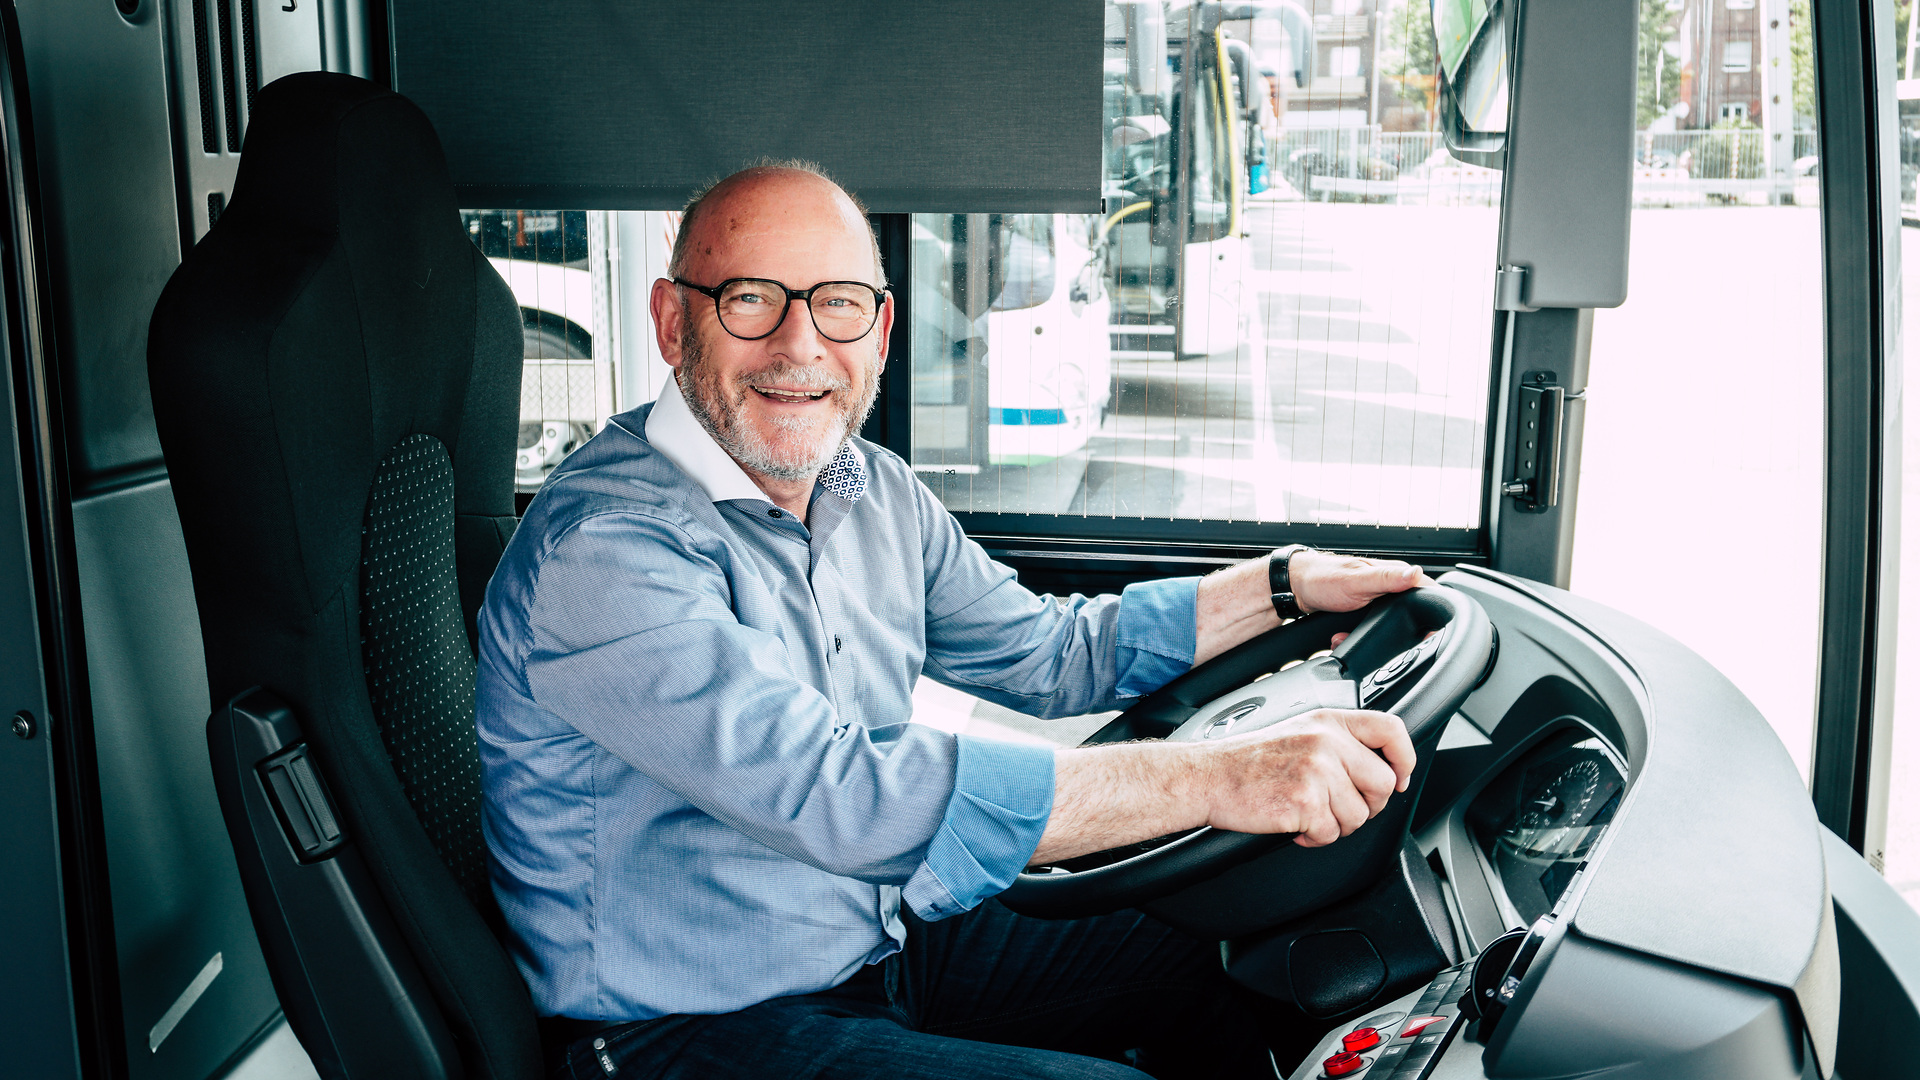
x,y
720,416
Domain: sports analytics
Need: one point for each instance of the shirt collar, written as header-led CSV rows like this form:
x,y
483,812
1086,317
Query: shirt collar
x,y
673,430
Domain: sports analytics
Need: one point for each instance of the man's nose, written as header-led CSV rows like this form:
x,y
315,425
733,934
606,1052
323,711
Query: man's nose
x,y
797,330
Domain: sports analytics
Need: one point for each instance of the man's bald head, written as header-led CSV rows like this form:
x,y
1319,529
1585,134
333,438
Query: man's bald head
x,y
798,190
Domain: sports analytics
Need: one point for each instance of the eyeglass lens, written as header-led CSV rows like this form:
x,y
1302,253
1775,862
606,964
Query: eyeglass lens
x,y
842,311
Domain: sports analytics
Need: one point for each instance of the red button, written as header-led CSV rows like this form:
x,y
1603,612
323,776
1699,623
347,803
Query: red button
x,y
1344,1062
1360,1039
1419,1024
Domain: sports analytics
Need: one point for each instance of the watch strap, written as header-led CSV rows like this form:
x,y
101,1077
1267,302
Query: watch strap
x,y
1280,581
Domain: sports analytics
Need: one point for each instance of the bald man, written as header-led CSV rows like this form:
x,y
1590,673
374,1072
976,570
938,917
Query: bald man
x,y
720,845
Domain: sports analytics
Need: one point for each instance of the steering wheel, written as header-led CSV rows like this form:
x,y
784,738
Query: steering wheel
x,y
1417,654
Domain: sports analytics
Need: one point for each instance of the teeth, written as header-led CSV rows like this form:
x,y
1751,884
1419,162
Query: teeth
x,y
783,395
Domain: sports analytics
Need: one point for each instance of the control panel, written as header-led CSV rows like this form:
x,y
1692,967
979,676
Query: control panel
x,y
1396,1044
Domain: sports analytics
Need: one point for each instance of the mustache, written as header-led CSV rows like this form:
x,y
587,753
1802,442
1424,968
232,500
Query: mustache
x,y
795,377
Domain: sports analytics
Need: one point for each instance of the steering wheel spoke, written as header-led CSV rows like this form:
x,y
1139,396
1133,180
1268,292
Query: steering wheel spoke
x,y
1316,684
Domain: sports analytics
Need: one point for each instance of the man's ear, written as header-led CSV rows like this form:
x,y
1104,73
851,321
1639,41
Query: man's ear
x,y
668,320
885,327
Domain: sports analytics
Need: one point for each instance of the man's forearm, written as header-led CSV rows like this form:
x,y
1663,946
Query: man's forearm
x,y
1318,775
1231,606
1108,796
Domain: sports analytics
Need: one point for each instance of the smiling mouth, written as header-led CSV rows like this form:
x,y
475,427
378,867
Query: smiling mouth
x,y
793,396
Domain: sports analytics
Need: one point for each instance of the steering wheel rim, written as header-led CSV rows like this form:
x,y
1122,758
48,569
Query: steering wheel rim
x,y
1451,643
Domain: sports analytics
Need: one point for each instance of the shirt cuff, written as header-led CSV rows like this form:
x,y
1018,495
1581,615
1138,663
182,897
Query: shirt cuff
x,y
1002,796
1155,639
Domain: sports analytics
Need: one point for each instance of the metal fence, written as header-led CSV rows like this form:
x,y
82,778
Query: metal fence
x,y
1674,168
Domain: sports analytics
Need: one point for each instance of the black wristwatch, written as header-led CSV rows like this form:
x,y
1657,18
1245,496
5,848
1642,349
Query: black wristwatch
x,y
1285,604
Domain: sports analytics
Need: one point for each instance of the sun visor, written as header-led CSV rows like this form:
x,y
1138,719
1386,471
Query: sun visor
x,y
985,106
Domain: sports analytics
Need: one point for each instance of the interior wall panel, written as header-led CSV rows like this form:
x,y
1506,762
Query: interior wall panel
x,y
99,87
177,897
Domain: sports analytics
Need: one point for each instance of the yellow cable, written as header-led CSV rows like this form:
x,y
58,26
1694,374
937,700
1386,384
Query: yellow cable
x,y
1131,208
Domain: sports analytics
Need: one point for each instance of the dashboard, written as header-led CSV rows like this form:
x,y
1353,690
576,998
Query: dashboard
x,y
1614,869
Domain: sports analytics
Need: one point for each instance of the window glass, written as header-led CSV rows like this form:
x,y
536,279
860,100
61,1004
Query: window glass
x,y
1704,518
1283,313
564,267
1902,852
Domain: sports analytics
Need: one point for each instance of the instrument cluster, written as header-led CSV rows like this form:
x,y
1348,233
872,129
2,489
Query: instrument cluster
x,y
1541,817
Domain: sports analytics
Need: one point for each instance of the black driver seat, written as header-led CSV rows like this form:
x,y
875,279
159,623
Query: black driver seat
x,y
336,377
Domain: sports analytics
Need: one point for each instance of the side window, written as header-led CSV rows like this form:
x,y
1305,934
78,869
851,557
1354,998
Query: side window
x,y
1902,859
1034,283
1726,292
565,270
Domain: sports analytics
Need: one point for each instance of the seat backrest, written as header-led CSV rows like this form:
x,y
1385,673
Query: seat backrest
x,y
336,372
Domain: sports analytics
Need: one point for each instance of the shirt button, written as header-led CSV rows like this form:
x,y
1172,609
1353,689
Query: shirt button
x,y
836,643
773,513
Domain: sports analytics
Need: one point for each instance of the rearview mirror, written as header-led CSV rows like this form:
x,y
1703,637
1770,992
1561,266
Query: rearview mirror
x,y
1247,73
1472,41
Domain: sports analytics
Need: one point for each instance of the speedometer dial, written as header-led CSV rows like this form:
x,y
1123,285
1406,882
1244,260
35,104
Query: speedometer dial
x,y
1561,801
1543,816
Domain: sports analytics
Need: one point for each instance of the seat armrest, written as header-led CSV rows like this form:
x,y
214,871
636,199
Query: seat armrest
x,y
347,982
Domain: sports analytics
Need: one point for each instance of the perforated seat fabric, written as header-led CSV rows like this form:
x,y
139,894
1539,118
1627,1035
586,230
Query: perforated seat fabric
x,y
420,668
335,373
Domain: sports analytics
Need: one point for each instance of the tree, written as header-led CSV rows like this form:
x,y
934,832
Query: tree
x,y
1411,59
1800,48
1659,81
1902,11
1731,151
1410,34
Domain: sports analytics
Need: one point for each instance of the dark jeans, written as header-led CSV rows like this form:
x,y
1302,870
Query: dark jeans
x,y
986,994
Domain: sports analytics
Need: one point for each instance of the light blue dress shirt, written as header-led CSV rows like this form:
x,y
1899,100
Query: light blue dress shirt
x,y
702,790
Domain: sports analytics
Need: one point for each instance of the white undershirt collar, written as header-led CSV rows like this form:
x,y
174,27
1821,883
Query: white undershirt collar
x,y
672,430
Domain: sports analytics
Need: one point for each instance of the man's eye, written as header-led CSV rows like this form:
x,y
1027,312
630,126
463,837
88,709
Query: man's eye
x,y
751,298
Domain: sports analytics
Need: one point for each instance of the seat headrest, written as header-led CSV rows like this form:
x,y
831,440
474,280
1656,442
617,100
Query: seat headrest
x,y
326,152
337,307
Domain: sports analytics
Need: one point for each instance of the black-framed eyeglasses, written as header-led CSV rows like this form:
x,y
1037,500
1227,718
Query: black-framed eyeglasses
x,y
752,308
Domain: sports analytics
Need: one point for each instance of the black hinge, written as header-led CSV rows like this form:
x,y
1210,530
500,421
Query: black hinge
x,y
1536,444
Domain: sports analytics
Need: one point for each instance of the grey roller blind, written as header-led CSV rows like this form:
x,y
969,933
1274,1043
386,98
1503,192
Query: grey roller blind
x,y
954,107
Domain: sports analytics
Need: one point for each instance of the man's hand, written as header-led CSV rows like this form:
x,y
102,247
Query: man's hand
x,y
1234,604
1317,775
1324,581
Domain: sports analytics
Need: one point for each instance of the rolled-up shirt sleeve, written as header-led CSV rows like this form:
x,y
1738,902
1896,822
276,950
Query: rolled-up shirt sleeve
x,y
1002,796
1155,639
